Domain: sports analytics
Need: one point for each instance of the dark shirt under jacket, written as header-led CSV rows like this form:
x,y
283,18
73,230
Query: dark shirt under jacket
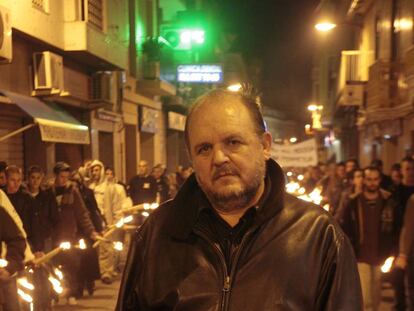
x,y
25,207
371,215
143,189
386,182
227,237
48,214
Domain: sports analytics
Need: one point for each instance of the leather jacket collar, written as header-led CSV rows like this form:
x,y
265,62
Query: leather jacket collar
x,y
186,204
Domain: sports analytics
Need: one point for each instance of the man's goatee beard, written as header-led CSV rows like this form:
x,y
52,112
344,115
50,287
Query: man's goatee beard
x,y
238,200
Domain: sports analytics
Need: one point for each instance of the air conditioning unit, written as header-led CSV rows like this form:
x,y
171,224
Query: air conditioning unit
x,y
106,87
5,36
48,73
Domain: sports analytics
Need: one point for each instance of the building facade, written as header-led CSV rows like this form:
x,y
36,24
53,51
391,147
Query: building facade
x,y
372,85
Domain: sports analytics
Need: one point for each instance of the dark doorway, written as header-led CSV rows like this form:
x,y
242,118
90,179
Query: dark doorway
x,y
106,148
131,151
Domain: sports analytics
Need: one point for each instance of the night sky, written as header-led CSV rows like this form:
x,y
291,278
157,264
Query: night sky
x,y
278,34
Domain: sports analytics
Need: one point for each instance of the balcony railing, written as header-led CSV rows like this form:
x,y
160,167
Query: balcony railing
x,y
386,87
354,67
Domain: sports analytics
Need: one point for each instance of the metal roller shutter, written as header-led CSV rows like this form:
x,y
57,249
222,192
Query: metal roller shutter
x,y
11,150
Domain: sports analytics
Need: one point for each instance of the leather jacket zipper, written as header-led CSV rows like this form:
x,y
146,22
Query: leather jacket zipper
x,y
227,277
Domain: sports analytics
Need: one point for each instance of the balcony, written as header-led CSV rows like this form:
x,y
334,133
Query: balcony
x,y
95,38
386,87
353,76
149,82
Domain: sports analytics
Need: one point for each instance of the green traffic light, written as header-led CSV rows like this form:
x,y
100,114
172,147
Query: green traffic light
x,y
184,38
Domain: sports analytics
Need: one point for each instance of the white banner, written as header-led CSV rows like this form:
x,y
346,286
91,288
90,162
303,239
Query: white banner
x,y
296,155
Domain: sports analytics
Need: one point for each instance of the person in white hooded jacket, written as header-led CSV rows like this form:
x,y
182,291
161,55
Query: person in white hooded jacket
x,y
109,202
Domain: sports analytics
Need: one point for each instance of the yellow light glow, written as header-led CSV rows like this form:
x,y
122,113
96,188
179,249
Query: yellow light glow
x,y
314,107
59,273
145,214
26,297
289,174
386,267
234,87
118,246
293,140
82,244
300,177
403,24
25,283
325,26
57,287
3,263
307,126
65,245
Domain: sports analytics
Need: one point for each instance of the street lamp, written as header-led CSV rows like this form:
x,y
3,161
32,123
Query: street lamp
x,y
325,26
234,87
316,115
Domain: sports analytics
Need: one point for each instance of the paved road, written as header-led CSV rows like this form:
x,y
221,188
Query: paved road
x,y
104,299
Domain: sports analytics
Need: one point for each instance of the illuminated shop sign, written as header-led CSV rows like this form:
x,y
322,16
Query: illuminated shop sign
x,y
200,73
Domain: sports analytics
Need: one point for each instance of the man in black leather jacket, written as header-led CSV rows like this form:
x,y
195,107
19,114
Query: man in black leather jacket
x,y
232,239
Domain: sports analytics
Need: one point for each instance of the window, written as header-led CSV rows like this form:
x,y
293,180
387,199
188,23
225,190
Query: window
x,y
377,36
95,14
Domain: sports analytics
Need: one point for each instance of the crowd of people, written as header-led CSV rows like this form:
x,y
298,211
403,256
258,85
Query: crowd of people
x,y
376,211
38,213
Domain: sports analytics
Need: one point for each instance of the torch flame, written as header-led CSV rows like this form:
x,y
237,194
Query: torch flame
x,y
124,221
25,283
59,273
386,267
82,244
118,246
26,297
57,287
65,245
3,263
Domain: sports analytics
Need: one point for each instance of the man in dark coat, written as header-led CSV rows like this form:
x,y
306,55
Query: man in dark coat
x,y
25,206
232,239
46,207
370,223
76,223
143,187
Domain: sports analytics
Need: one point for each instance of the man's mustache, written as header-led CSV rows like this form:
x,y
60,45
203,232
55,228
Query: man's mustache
x,y
225,170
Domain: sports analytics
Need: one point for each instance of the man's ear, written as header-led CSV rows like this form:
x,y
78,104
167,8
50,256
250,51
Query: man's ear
x,y
267,143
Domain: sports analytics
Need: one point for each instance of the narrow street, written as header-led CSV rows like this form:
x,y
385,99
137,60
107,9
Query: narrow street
x,y
104,299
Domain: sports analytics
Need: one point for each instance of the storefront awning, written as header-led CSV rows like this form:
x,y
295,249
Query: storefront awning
x,y
55,124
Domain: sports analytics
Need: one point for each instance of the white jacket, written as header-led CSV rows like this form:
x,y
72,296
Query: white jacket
x,y
8,207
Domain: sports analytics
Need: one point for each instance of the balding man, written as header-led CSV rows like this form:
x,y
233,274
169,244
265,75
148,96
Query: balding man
x,y
143,187
232,239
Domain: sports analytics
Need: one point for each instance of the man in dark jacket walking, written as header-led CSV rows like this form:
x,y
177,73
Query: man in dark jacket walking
x,y
232,239
75,223
370,223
